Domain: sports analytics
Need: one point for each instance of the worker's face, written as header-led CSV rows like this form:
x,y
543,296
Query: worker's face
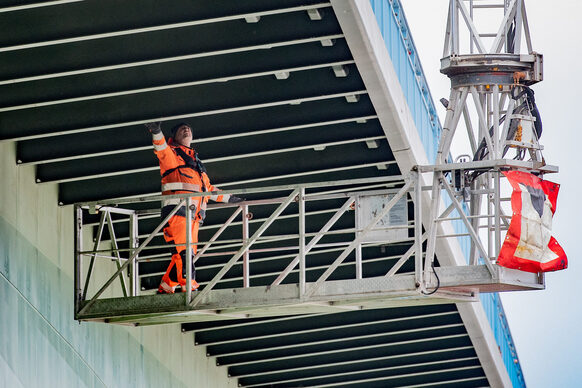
x,y
183,136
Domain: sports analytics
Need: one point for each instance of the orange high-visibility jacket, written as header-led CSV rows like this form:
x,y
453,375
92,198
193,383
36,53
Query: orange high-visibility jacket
x,y
182,172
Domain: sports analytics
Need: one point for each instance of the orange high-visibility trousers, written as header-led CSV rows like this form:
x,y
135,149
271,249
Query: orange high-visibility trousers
x,y
175,233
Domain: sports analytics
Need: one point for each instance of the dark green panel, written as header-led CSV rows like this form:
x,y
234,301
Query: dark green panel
x,y
349,343
348,355
431,379
179,102
333,334
70,20
197,39
302,162
315,322
357,366
172,73
119,162
391,377
204,126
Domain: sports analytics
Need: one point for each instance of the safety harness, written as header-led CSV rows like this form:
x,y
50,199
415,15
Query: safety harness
x,y
192,163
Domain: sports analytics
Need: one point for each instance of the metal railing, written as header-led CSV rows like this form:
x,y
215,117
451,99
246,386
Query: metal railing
x,y
357,215
355,196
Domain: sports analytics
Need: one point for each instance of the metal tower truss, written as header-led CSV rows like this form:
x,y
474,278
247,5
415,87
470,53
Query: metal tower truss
x,y
322,247
502,126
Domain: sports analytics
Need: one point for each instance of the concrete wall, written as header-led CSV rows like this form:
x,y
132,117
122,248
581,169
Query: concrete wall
x,y
40,342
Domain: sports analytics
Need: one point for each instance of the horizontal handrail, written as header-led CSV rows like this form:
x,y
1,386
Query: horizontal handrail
x,y
114,202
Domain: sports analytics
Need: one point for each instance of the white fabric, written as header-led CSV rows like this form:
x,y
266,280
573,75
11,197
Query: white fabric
x,y
536,231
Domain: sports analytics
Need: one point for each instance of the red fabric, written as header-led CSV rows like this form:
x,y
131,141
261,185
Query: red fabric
x,y
528,245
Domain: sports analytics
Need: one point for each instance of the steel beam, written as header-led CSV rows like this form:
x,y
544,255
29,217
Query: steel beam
x,y
205,139
352,349
408,375
37,5
189,115
351,362
170,86
169,59
326,328
334,340
213,160
303,380
135,31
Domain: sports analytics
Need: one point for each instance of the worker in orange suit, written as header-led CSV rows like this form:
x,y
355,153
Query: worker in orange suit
x,y
182,172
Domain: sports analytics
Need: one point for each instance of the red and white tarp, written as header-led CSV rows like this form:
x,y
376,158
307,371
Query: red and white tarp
x,y
529,245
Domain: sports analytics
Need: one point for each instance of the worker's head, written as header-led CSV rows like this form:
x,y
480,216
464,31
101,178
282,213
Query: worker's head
x,y
182,134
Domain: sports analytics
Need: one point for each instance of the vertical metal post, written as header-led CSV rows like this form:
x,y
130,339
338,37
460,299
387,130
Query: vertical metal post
x,y
302,265
475,208
432,224
94,255
116,252
518,27
489,216
188,255
497,141
526,28
134,265
481,106
506,28
448,125
448,34
472,43
488,114
497,212
418,270
455,25
245,238
78,215
358,247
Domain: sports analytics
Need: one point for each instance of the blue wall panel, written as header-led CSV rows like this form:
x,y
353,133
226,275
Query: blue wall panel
x,y
40,343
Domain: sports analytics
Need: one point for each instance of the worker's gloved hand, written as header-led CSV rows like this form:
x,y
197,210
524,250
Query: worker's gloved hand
x,y
235,199
154,128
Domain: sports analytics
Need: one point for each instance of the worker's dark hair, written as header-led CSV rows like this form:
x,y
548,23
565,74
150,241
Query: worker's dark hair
x,y
175,127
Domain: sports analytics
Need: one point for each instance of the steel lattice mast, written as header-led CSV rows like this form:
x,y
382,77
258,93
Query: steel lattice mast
x,y
491,110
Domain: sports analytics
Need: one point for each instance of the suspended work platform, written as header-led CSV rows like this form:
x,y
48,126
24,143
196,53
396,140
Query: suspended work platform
x,y
458,284
322,247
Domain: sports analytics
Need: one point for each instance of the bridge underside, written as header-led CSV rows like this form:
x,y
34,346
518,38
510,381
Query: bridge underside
x,y
275,96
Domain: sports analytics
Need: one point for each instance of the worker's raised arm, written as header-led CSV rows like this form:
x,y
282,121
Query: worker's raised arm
x,y
161,149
